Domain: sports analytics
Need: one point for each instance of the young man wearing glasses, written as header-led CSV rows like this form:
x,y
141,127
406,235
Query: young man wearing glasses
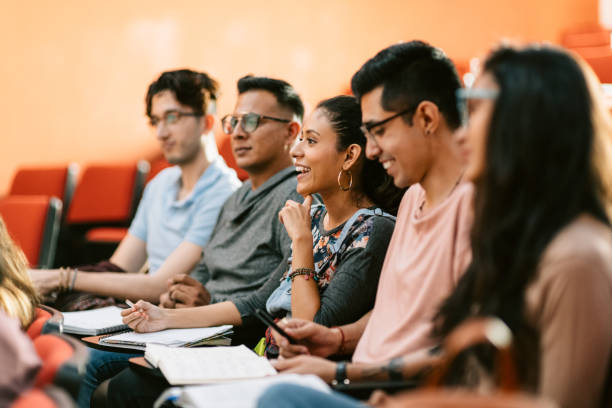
x,y
179,207
248,246
407,95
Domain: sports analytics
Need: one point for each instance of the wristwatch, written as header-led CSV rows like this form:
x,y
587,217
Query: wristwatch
x,y
341,377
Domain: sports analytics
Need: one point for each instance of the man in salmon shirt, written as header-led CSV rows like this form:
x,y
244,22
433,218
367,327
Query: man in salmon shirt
x,y
407,96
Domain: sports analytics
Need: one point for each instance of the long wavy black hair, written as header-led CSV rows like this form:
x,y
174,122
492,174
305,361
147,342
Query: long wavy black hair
x,y
538,177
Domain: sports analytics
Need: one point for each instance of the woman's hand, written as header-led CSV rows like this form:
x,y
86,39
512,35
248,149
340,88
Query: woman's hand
x,y
45,280
145,317
296,219
325,369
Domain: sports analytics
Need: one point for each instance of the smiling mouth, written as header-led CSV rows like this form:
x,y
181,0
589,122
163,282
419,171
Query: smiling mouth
x,y
387,163
301,170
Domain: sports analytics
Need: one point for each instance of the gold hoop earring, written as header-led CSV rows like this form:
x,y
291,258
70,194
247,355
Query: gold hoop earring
x,y
343,188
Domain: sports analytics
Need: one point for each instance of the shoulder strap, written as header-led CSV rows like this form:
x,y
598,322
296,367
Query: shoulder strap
x,y
349,223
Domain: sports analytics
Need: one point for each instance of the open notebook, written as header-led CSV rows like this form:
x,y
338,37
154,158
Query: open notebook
x,y
208,364
94,322
201,336
242,394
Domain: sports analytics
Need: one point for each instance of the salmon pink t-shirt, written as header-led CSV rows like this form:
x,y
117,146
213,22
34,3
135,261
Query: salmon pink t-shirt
x,y
428,253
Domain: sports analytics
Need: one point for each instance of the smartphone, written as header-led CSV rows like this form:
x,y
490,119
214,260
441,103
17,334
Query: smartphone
x,y
268,320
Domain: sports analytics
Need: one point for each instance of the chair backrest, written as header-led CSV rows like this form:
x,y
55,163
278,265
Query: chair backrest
x,y
55,181
63,362
108,193
33,222
35,328
47,320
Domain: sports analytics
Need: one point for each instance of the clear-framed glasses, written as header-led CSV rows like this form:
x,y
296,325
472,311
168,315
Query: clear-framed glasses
x,y
170,117
367,128
465,94
249,122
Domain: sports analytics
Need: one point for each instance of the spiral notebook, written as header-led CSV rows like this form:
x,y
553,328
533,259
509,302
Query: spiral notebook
x,y
94,322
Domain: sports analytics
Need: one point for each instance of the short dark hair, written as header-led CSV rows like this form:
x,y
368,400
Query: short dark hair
x,y
410,73
190,88
344,115
285,94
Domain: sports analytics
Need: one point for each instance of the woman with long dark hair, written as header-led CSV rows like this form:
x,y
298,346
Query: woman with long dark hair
x,y
541,240
538,147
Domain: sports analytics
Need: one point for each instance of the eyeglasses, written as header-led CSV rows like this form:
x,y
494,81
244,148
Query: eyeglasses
x,y
366,128
170,117
464,94
249,122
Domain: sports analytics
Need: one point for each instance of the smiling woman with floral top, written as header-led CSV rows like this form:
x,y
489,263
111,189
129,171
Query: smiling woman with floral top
x,y
337,248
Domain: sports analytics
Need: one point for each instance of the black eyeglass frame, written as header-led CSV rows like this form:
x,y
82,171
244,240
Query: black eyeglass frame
x,y
180,114
366,128
242,121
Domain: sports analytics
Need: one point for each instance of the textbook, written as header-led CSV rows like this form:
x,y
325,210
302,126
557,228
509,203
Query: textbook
x,y
242,394
94,322
208,364
201,336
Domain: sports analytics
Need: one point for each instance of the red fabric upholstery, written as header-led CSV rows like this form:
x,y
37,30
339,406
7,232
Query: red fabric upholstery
x,y
36,326
34,398
225,150
157,164
49,181
108,234
103,194
53,351
586,36
25,218
602,65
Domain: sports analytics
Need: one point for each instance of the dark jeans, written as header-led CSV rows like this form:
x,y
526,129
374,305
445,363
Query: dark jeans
x,y
135,388
102,365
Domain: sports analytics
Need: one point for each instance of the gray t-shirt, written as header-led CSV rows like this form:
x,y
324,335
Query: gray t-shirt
x,y
249,245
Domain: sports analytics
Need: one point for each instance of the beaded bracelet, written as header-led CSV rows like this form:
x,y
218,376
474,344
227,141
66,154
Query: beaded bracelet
x,y
74,275
307,272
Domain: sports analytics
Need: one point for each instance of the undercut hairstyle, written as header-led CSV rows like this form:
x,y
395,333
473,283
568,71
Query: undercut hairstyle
x,y
344,115
410,73
196,90
286,96
538,177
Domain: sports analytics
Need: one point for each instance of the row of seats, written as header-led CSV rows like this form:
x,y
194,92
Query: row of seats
x,y
43,201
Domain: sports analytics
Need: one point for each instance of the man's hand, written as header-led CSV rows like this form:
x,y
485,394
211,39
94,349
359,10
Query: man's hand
x,y
145,317
307,365
184,291
313,338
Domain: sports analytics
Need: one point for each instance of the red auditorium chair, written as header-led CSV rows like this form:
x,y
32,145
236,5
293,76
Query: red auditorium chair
x,y
63,362
53,181
104,202
47,320
34,223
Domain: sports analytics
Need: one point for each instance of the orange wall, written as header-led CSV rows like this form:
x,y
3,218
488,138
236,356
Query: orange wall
x,y
74,73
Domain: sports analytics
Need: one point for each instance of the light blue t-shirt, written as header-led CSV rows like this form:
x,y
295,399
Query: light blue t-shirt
x,y
163,222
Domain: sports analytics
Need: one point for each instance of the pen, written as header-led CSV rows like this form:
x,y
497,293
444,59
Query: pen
x,y
130,304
